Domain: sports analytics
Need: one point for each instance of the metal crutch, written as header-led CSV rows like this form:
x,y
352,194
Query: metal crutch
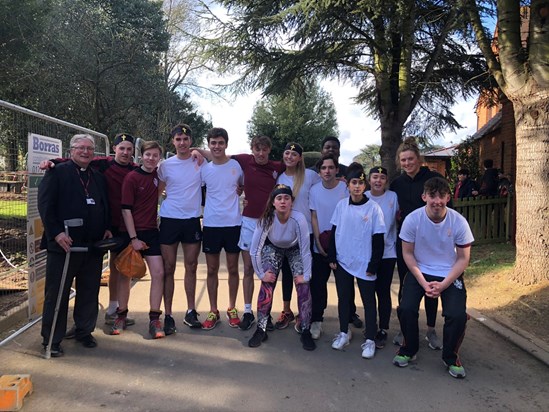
x,y
68,223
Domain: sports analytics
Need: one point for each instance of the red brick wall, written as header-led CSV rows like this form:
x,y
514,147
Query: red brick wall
x,y
500,144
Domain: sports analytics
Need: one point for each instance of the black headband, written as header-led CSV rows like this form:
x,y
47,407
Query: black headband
x,y
181,130
355,174
296,147
378,169
282,189
123,137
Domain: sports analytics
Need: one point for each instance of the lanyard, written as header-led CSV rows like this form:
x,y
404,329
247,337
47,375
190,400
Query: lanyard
x,y
84,185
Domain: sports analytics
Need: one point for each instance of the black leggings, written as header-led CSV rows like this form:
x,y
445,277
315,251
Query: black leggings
x,y
383,291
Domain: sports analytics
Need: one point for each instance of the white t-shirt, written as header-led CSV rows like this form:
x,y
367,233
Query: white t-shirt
x,y
284,236
301,203
324,202
435,243
388,202
183,188
356,224
222,207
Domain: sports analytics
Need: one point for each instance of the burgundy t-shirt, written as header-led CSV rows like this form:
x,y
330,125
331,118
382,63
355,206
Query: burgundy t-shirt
x,y
259,181
114,174
140,195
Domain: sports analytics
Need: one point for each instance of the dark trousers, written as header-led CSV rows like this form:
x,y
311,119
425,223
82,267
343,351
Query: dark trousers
x,y
431,305
453,299
86,268
383,291
319,288
345,284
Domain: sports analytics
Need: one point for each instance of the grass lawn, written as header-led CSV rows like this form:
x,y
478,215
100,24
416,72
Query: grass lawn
x,y
490,257
13,209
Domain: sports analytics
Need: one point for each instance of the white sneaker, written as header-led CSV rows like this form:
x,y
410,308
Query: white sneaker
x,y
368,349
316,330
341,340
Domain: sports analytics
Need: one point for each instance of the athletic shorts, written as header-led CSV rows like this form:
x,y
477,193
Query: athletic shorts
x,y
150,237
180,230
217,238
247,232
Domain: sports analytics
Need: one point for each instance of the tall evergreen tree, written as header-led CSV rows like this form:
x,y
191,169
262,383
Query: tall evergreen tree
x,y
408,58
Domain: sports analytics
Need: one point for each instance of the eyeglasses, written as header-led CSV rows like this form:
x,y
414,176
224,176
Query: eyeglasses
x,y
83,148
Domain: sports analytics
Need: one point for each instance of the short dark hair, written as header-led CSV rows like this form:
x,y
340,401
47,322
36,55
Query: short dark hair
x,y
488,163
327,157
151,144
436,185
217,132
330,138
261,141
463,172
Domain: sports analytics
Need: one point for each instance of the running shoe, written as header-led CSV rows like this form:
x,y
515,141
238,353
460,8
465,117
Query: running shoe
x,y
398,340
258,337
109,319
380,339
307,340
191,319
341,340
368,349
316,330
456,371
284,320
119,326
211,321
403,360
434,341
155,329
169,325
247,321
232,315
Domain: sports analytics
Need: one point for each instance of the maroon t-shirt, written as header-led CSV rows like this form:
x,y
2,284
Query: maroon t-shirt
x,y
114,174
140,195
259,181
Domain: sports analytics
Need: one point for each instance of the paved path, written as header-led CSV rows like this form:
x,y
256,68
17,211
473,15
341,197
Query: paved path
x,y
215,370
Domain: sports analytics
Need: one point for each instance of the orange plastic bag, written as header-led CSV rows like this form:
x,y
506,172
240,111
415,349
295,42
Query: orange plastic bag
x,y
130,263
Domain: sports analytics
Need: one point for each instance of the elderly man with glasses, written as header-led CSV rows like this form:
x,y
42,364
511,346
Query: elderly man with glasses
x,y
73,192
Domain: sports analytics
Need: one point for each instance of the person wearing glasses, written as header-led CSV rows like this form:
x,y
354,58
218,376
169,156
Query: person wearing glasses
x,y
73,190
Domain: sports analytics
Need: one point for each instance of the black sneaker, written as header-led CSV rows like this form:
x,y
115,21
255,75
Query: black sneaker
x,y
87,341
270,327
247,321
307,340
191,320
169,325
56,350
356,321
259,336
380,339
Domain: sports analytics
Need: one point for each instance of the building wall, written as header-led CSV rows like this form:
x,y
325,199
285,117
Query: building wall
x,y
500,144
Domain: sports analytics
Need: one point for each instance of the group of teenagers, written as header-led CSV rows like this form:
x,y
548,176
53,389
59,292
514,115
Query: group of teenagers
x,y
303,223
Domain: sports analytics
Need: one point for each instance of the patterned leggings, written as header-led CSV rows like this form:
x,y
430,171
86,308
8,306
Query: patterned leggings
x,y
271,258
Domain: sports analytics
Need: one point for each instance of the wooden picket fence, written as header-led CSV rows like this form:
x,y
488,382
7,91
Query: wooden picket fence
x,y
492,219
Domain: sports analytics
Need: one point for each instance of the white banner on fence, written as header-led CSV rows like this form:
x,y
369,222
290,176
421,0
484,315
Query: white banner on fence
x,y
40,148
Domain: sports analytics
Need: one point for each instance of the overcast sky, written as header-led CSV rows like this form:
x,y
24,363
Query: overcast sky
x,y
356,130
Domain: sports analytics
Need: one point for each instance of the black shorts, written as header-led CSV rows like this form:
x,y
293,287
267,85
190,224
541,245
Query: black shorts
x,y
217,238
180,230
150,237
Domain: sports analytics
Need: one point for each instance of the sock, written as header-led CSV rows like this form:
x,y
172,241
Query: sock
x,y
189,311
113,305
247,308
155,314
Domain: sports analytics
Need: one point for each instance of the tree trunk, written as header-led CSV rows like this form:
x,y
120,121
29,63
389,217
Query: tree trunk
x,y
532,187
391,138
